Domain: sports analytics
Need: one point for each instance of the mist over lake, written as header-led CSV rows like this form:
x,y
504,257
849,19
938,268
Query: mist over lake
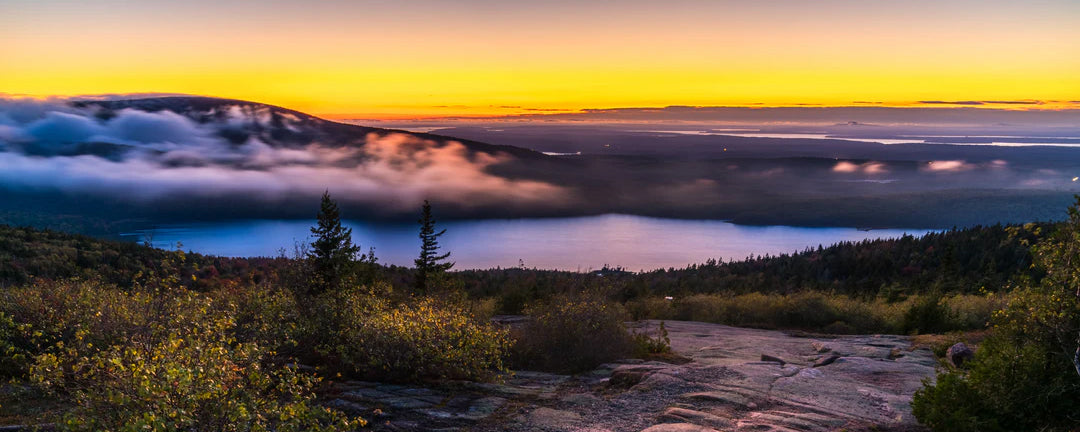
x,y
575,244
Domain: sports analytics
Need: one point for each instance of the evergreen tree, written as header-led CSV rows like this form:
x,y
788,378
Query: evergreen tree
x,y
333,254
430,263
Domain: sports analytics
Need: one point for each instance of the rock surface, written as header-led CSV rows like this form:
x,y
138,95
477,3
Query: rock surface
x,y
829,383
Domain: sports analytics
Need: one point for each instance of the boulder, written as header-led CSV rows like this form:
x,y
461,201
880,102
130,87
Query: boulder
x,y
959,354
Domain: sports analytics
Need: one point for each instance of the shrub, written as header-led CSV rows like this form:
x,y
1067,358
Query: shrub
x,y
971,312
839,327
267,316
713,308
15,347
1013,384
482,310
178,369
46,316
572,334
650,308
644,344
428,339
952,405
928,314
1024,375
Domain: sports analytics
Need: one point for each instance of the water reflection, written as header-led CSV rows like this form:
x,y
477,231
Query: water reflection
x,y
579,244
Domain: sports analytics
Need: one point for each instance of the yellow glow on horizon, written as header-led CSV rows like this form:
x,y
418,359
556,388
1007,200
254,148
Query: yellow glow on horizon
x,y
413,93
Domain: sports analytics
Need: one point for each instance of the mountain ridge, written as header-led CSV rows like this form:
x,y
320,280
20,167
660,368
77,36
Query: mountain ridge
x,y
283,127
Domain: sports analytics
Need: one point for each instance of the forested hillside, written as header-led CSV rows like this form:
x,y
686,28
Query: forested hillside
x,y
966,260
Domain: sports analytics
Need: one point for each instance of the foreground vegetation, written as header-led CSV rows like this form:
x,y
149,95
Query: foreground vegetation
x,y
1026,374
945,281
246,351
126,337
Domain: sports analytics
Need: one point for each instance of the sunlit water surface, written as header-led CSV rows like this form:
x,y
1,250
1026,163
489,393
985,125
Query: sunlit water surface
x,y
577,244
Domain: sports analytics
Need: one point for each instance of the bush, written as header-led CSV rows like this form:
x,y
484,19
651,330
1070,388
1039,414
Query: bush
x,y
572,334
481,310
47,316
15,346
839,327
952,405
928,314
646,345
650,308
177,366
1024,375
425,340
971,312
267,316
1012,385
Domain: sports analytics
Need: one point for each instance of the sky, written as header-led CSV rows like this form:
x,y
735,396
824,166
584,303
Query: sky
x,y
423,58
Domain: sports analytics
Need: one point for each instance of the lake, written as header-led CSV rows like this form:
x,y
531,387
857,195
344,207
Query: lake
x,y
576,244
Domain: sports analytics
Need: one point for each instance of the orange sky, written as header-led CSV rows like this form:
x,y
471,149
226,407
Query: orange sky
x,y
345,58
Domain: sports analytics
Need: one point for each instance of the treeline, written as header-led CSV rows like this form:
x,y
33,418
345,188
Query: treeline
x,y
967,261
30,253
944,281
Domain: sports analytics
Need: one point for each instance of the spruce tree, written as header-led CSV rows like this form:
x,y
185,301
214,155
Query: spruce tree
x,y
430,263
333,254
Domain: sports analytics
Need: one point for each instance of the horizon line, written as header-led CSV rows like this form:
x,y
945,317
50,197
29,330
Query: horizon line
x,y
521,112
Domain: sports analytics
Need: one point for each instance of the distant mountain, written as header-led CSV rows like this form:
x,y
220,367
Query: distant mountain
x,y
202,158
239,120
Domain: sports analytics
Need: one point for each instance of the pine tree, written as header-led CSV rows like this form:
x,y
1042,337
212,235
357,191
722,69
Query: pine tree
x,y
333,254
430,263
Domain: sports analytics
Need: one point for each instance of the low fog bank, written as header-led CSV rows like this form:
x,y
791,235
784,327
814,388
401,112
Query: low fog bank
x,y
184,159
235,159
